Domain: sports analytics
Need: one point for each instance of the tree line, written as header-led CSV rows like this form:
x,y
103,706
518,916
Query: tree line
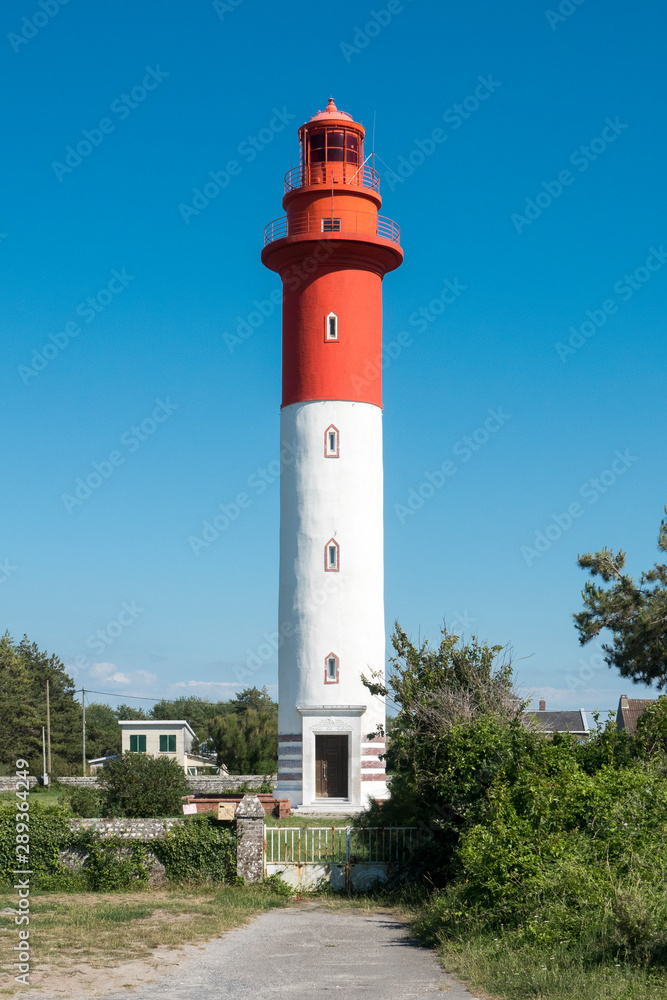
x,y
241,732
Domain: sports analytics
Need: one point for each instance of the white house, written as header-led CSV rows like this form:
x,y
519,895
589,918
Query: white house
x,y
165,737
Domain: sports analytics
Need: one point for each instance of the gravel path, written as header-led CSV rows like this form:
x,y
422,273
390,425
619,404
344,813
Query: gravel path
x,y
303,952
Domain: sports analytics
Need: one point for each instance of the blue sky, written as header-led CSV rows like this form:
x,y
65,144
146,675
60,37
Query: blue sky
x,y
540,199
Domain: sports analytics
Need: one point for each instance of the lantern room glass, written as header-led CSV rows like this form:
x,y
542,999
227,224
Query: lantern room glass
x,y
333,146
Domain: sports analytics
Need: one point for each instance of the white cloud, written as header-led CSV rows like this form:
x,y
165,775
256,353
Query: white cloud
x,y
146,677
209,684
102,669
119,678
110,672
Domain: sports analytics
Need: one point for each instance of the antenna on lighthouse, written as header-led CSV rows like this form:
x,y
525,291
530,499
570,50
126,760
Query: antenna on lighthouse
x,y
373,142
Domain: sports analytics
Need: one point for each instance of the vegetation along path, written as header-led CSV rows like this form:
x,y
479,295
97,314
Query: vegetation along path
x,y
303,952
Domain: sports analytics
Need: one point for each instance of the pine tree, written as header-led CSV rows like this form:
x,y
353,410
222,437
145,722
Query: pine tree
x,y
103,735
24,671
246,739
634,613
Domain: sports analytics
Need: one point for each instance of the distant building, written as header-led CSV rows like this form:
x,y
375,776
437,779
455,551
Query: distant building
x,y
96,764
629,710
574,722
168,738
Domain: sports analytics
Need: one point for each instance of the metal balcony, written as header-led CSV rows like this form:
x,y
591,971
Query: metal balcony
x,y
354,224
322,174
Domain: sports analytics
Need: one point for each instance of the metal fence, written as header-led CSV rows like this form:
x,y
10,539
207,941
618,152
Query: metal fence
x,y
340,845
356,223
339,173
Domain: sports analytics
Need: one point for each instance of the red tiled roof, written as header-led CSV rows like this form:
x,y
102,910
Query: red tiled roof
x,y
629,710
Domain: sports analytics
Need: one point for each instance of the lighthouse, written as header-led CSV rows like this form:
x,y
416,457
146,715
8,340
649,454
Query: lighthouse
x,y
331,250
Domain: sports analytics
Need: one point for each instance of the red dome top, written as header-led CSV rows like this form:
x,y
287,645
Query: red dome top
x,y
331,111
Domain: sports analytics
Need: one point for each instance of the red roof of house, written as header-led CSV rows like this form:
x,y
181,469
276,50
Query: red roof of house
x,y
629,710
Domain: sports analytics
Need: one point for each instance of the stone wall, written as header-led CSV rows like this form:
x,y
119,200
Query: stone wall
x,y
8,783
198,783
127,829
228,783
89,782
207,784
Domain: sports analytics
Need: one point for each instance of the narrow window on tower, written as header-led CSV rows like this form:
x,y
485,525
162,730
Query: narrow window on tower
x,y
330,225
331,664
331,442
331,327
332,556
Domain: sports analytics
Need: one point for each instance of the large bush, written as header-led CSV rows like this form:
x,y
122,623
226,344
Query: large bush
x,y
561,855
139,785
550,841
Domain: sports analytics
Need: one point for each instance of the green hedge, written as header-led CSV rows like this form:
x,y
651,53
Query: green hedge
x,y
200,850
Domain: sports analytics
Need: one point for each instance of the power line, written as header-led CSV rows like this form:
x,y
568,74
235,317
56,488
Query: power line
x,y
114,694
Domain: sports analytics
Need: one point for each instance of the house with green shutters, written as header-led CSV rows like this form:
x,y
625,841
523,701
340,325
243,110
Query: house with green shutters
x,y
169,737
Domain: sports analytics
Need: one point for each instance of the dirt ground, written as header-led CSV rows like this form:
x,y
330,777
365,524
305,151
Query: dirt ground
x,y
90,945
79,980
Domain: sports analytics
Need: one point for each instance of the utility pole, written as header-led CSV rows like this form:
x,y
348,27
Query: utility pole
x,y
45,776
83,701
48,732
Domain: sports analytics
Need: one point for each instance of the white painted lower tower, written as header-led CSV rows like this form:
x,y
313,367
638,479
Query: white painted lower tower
x,y
331,494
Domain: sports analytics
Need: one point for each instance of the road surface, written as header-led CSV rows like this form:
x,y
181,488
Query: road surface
x,y
305,952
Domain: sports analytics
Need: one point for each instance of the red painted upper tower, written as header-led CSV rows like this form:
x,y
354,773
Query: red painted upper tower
x,y
332,250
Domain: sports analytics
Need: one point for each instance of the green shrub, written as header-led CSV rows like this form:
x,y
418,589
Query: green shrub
x,y
86,802
116,865
264,788
200,850
138,785
540,840
277,884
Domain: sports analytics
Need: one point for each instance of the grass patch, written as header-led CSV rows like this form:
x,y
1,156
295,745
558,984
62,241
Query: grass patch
x,y
309,821
54,796
506,968
107,930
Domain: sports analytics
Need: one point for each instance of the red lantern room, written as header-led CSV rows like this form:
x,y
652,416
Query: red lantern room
x,y
332,149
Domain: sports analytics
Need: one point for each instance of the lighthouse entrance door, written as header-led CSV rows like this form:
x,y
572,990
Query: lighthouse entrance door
x,y
331,756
